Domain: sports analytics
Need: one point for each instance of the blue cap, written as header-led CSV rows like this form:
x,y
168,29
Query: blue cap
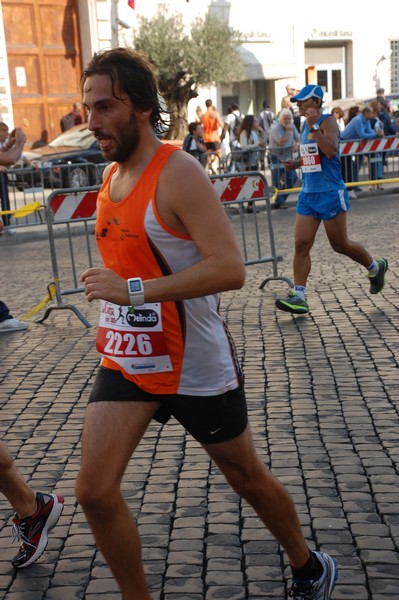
x,y
309,91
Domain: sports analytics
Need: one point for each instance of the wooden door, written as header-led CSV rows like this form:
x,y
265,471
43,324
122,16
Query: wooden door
x,y
43,50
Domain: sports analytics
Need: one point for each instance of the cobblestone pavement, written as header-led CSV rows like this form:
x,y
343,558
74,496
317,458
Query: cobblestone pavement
x,y
323,395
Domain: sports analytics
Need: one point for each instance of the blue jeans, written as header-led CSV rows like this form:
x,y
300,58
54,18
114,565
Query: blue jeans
x,y
5,200
4,312
281,178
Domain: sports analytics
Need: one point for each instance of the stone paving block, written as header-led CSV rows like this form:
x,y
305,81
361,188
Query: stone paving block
x,y
228,592
24,595
183,597
66,593
380,557
384,586
184,570
350,592
185,586
224,552
178,558
102,586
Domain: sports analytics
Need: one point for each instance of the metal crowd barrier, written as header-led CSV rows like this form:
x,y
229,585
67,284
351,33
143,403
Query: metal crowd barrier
x,y
75,209
360,159
29,184
254,230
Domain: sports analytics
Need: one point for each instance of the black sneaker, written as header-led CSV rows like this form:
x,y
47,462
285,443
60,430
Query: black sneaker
x,y
293,303
320,589
377,281
32,531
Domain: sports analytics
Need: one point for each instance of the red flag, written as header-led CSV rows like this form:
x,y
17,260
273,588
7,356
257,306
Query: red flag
x,y
131,3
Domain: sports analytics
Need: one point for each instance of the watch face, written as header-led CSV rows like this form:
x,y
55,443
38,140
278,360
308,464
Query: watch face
x,y
134,285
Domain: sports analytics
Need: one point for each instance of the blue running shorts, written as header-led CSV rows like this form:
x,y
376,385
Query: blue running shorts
x,y
323,206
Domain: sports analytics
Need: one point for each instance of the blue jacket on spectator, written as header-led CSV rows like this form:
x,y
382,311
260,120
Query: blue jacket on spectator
x,y
358,128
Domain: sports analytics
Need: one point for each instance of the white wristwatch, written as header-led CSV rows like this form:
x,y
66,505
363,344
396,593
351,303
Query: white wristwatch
x,y
135,290
315,127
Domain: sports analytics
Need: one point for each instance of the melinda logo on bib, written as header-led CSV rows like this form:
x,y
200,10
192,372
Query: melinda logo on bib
x,y
142,317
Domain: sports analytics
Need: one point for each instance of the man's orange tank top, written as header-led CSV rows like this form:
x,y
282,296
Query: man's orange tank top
x,y
199,353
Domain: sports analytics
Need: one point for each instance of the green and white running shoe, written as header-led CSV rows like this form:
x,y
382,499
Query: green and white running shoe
x,y
293,303
377,281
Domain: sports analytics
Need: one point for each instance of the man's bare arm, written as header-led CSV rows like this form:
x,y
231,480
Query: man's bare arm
x,y
9,157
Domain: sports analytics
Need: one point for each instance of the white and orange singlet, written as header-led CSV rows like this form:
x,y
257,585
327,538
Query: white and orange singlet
x,y
180,347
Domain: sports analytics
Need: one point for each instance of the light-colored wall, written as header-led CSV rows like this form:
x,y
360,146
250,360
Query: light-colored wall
x,y
279,34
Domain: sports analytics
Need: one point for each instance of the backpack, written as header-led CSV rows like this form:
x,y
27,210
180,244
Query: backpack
x,y
236,125
67,122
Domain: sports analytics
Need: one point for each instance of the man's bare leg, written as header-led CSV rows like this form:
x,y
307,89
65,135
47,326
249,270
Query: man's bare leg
x,y
337,234
112,431
250,478
305,232
14,487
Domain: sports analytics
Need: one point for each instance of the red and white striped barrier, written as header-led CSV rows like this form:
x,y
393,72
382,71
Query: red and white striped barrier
x,y
367,146
243,187
71,206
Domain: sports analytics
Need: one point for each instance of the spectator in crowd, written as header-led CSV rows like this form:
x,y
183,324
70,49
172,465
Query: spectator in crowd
x,y
385,103
323,199
72,118
4,134
266,117
375,158
286,103
7,321
263,141
199,114
283,142
352,112
349,163
286,100
359,128
338,113
212,124
194,142
10,153
231,126
250,145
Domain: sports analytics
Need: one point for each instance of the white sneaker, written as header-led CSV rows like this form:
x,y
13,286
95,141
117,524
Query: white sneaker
x,y
352,195
12,325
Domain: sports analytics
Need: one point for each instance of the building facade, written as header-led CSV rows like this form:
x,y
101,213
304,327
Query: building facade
x,y
43,47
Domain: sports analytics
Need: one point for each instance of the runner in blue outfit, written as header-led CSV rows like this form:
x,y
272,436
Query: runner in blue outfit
x,y
323,198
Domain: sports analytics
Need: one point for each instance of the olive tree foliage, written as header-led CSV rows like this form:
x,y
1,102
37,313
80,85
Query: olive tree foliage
x,y
184,62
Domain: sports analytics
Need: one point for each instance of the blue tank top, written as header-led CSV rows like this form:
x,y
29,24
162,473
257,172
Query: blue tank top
x,y
319,173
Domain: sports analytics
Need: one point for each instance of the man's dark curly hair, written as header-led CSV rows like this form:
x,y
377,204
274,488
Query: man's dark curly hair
x,y
132,73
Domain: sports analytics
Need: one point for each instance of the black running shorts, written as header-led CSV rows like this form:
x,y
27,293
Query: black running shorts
x,y
209,419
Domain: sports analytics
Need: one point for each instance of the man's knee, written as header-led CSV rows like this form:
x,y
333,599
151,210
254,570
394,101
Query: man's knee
x,y
303,245
245,478
341,246
91,493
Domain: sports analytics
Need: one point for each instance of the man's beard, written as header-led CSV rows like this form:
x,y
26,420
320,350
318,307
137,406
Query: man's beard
x,y
127,141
